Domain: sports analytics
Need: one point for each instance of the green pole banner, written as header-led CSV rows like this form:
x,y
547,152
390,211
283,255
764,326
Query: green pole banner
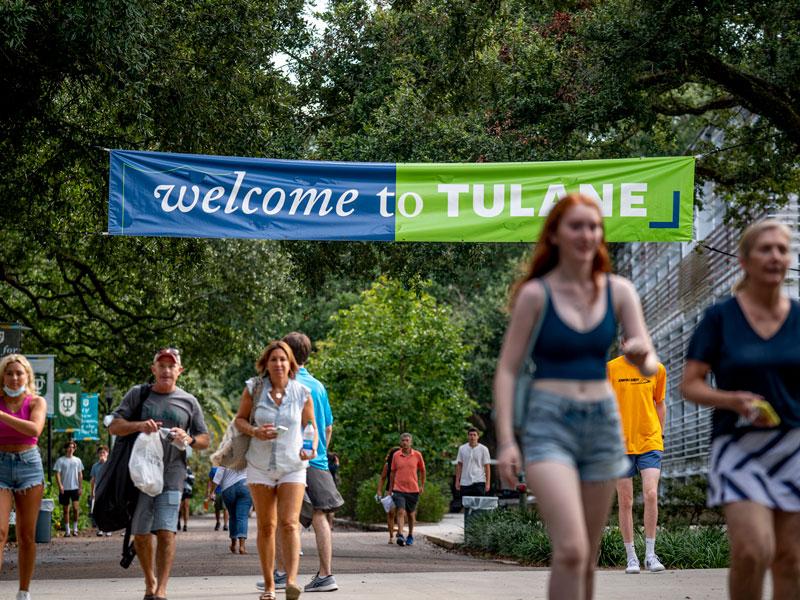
x,y
642,199
68,413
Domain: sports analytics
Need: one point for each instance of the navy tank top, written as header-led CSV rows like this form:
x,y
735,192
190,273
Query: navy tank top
x,y
561,352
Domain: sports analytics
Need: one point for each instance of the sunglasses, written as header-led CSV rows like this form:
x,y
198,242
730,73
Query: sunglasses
x,y
170,350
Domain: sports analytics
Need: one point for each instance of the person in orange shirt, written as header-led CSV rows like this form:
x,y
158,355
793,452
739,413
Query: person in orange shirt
x,y
406,464
643,414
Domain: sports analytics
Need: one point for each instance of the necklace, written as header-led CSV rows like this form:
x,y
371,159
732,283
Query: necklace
x,y
278,395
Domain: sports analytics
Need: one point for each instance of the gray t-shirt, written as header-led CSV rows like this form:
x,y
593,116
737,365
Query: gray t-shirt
x,y
95,471
69,468
176,409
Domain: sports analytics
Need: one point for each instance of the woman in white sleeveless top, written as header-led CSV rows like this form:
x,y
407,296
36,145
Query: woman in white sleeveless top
x,y
276,463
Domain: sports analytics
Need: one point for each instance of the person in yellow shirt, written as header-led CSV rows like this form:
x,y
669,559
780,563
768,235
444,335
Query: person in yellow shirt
x,y
643,413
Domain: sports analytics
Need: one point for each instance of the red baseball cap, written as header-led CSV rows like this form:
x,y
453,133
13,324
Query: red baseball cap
x,y
172,354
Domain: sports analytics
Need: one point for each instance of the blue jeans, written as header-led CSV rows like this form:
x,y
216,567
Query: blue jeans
x,y
238,502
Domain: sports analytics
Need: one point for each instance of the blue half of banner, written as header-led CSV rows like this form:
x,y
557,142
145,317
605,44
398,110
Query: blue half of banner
x,y
188,195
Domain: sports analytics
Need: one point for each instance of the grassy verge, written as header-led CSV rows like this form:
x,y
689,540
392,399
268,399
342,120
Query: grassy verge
x,y
521,536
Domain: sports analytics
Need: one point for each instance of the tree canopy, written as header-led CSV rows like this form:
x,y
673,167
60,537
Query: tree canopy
x,y
392,363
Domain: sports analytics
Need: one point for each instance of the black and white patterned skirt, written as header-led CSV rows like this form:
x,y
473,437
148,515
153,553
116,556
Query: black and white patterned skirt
x,y
758,466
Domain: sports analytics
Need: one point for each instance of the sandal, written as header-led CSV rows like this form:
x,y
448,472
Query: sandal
x,y
267,596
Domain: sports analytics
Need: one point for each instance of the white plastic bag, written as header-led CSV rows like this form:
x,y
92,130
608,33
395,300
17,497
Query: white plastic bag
x,y
387,502
146,465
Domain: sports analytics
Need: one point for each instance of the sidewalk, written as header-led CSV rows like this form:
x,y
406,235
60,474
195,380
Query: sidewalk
x,y
485,585
522,584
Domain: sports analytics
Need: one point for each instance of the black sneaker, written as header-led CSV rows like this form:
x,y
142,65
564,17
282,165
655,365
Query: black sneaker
x,y
216,527
401,541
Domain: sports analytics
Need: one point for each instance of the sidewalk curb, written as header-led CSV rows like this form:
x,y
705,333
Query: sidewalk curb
x,y
443,542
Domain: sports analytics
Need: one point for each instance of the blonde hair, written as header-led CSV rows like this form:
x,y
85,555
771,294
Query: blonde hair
x,y
30,385
748,241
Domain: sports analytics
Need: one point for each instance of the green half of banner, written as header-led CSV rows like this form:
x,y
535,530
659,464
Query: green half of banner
x,y
642,199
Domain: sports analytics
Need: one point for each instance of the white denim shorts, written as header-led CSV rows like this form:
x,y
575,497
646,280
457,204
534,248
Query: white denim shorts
x,y
272,478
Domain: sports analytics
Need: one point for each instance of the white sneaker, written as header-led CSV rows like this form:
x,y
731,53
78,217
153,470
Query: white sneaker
x,y
74,531
652,564
633,567
23,595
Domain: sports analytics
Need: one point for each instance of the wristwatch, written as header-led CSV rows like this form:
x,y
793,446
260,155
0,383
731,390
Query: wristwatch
x,y
194,439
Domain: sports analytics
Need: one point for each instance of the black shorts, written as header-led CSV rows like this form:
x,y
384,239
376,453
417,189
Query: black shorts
x,y
474,489
186,495
68,496
406,501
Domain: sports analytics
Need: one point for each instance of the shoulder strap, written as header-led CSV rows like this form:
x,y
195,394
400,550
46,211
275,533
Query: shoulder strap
x,y
527,363
258,386
144,393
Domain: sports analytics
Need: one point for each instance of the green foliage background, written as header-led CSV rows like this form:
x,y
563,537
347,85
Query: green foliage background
x,y
394,363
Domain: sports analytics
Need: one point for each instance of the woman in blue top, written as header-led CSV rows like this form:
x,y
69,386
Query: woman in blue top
x,y
751,343
572,444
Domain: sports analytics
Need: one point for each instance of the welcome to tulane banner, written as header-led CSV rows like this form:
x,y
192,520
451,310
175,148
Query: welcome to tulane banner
x,y
185,195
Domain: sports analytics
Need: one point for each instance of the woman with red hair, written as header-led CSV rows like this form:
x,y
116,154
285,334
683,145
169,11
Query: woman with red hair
x,y
572,440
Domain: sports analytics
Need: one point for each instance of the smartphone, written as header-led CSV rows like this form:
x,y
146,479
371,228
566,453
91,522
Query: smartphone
x,y
281,429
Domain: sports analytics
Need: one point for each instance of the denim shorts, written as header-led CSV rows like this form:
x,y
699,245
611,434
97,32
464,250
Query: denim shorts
x,y
21,470
159,513
647,460
586,435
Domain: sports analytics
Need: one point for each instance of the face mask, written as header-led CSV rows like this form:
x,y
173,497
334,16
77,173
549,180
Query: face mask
x,y
13,393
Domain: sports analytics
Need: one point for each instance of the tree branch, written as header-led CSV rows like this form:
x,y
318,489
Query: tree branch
x,y
675,108
755,93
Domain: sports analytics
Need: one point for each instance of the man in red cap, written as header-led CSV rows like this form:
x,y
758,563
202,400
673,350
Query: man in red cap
x,y
166,406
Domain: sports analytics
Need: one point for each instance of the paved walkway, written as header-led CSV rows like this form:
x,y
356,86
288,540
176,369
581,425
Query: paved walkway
x,y
529,584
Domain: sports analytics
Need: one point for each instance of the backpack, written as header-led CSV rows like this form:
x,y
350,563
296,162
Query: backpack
x,y
115,495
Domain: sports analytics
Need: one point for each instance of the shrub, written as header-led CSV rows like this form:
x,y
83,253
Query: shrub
x,y
433,502
685,503
366,509
508,532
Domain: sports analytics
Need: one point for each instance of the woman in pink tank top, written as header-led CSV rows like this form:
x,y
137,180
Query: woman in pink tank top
x,y
22,417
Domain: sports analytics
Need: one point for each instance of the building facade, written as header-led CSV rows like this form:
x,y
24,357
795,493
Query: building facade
x,y
676,282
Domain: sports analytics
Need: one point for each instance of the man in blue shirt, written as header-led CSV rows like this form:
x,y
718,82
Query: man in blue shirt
x,y
325,498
